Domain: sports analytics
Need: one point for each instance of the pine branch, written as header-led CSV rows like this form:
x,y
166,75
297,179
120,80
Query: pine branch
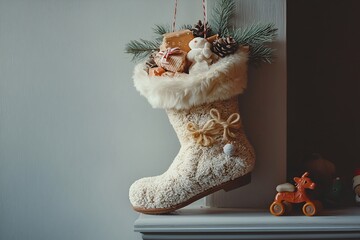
x,y
255,34
260,54
220,16
161,29
142,48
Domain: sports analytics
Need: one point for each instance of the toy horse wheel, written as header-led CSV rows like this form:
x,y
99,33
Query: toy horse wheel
x,y
309,209
277,208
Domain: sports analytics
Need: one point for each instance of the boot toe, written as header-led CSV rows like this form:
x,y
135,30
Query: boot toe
x,y
150,193
140,193
157,193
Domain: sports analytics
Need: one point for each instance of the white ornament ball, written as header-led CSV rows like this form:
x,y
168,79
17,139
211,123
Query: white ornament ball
x,y
229,149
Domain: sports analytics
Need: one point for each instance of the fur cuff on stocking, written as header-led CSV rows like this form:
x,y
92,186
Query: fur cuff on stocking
x,y
224,79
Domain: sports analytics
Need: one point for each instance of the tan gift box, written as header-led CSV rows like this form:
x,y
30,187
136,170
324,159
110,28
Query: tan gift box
x,y
178,39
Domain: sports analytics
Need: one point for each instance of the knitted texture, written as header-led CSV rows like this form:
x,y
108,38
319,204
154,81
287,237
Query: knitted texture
x,y
195,168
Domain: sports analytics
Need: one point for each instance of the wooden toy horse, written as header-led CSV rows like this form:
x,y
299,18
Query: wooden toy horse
x,y
287,194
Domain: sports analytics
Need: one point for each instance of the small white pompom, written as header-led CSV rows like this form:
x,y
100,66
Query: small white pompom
x,y
229,149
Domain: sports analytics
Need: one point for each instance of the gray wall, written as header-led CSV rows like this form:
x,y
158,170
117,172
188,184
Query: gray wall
x,y
74,133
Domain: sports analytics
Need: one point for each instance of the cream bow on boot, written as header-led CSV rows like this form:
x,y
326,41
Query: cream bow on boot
x,y
215,153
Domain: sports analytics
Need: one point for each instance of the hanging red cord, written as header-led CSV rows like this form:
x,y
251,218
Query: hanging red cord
x,y
174,20
205,16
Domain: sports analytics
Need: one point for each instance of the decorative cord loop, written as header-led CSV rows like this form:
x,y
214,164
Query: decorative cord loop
x,y
204,135
233,122
215,126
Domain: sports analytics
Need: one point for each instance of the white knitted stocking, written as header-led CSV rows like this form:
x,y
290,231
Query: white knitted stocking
x,y
196,168
204,112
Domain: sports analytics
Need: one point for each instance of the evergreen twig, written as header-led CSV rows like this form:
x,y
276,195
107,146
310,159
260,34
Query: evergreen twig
x,y
260,54
255,34
160,30
142,48
220,16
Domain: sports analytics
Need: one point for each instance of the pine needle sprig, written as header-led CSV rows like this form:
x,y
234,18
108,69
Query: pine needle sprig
x,y
160,30
220,16
142,48
255,34
260,54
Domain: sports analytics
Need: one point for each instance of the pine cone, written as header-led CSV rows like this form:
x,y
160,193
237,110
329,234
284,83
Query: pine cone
x,y
224,46
198,29
150,63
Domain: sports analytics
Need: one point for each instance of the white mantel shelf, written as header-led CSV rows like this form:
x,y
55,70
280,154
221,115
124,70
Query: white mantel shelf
x,y
205,223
